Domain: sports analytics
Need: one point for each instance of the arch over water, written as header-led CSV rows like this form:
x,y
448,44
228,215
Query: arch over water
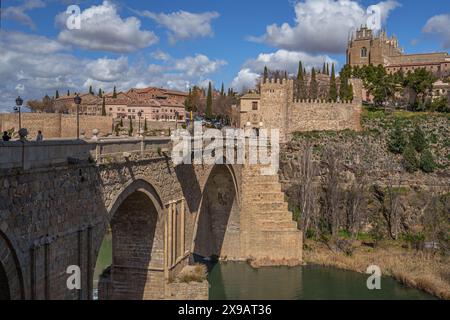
x,y
135,220
217,227
11,279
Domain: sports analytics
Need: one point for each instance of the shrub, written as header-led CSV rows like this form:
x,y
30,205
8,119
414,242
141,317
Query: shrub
x,y
418,140
410,161
396,140
427,163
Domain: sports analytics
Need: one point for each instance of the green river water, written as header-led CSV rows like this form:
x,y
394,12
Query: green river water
x,y
238,281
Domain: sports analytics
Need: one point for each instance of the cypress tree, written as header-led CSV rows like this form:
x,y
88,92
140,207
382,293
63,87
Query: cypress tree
x,y
328,69
114,93
324,69
313,86
266,74
56,94
333,89
301,89
145,125
130,130
68,92
100,93
222,91
103,107
418,140
209,102
91,90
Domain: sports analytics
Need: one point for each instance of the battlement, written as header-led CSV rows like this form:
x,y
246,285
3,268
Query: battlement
x,y
274,81
323,101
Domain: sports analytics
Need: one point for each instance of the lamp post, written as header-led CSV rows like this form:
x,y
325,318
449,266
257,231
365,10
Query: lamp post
x,y
77,101
176,119
139,115
19,102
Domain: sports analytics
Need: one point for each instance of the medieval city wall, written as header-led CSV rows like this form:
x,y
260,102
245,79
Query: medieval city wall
x,y
56,125
324,116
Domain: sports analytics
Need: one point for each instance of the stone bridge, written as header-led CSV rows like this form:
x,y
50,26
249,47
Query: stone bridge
x,y
58,199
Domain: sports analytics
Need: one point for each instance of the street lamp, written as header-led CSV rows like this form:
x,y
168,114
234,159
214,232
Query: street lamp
x,y
139,115
176,119
77,101
19,102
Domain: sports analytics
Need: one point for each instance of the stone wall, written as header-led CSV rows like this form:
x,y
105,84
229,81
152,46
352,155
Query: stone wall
x,y
56,125
324,116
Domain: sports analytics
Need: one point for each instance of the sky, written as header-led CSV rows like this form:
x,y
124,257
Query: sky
x,y
177,44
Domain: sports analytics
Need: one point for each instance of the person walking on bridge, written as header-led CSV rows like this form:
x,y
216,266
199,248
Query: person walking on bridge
x,y
39,137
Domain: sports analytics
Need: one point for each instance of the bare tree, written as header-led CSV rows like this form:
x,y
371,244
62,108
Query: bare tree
x,y
306,195
356,195
332,189
389,200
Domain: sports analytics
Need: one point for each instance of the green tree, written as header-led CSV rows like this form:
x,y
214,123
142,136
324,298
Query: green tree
x,y
56,94
333,88
68,92
130,129
410,160
114,93
222,90
313,87
301,87
209,102
103,107
427,163
266,74
440,104
420,82
100,93
418,140
324,69
91,91
346,89
328,69
397,140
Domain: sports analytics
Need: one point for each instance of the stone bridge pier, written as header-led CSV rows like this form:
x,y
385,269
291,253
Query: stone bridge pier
x,y
58,200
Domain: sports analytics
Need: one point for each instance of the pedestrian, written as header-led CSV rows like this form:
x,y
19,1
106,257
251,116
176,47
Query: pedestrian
x,y
6,136
39,136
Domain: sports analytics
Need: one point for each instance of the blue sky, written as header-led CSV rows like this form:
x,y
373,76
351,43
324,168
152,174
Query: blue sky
x,y
181,43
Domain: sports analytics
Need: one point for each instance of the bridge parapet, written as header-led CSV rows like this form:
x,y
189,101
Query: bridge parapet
x,y
30,154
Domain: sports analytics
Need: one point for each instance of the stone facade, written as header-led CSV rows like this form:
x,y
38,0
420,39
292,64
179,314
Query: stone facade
x,y
367,48
278,109
159,214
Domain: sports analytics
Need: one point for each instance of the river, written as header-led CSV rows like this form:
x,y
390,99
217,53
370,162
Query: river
x,y
239,281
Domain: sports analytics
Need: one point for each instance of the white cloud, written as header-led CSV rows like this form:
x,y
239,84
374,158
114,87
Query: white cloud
x,y
19,13
439,26
199,65
279,60
321,25
184,25
160,55
34,73
245,79
108,70
103,29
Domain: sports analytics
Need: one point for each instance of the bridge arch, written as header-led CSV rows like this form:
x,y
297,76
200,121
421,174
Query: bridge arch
x,y
217,225
136,225
11,278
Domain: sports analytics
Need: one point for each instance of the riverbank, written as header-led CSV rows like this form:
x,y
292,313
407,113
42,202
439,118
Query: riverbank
x,y
430,273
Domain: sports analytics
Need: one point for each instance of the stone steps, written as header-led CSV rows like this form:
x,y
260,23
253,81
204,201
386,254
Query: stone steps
x,y
269,196
262,206
278,225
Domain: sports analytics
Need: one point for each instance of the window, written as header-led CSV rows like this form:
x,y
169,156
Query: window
x,y
364,52
254,105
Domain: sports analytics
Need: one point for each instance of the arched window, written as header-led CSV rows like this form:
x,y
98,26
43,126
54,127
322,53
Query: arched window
x,y
364,52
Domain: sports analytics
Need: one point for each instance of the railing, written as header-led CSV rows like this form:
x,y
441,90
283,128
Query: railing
x,y
31,154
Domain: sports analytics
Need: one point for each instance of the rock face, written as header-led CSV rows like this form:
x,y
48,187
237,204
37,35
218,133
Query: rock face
x,y
364,158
